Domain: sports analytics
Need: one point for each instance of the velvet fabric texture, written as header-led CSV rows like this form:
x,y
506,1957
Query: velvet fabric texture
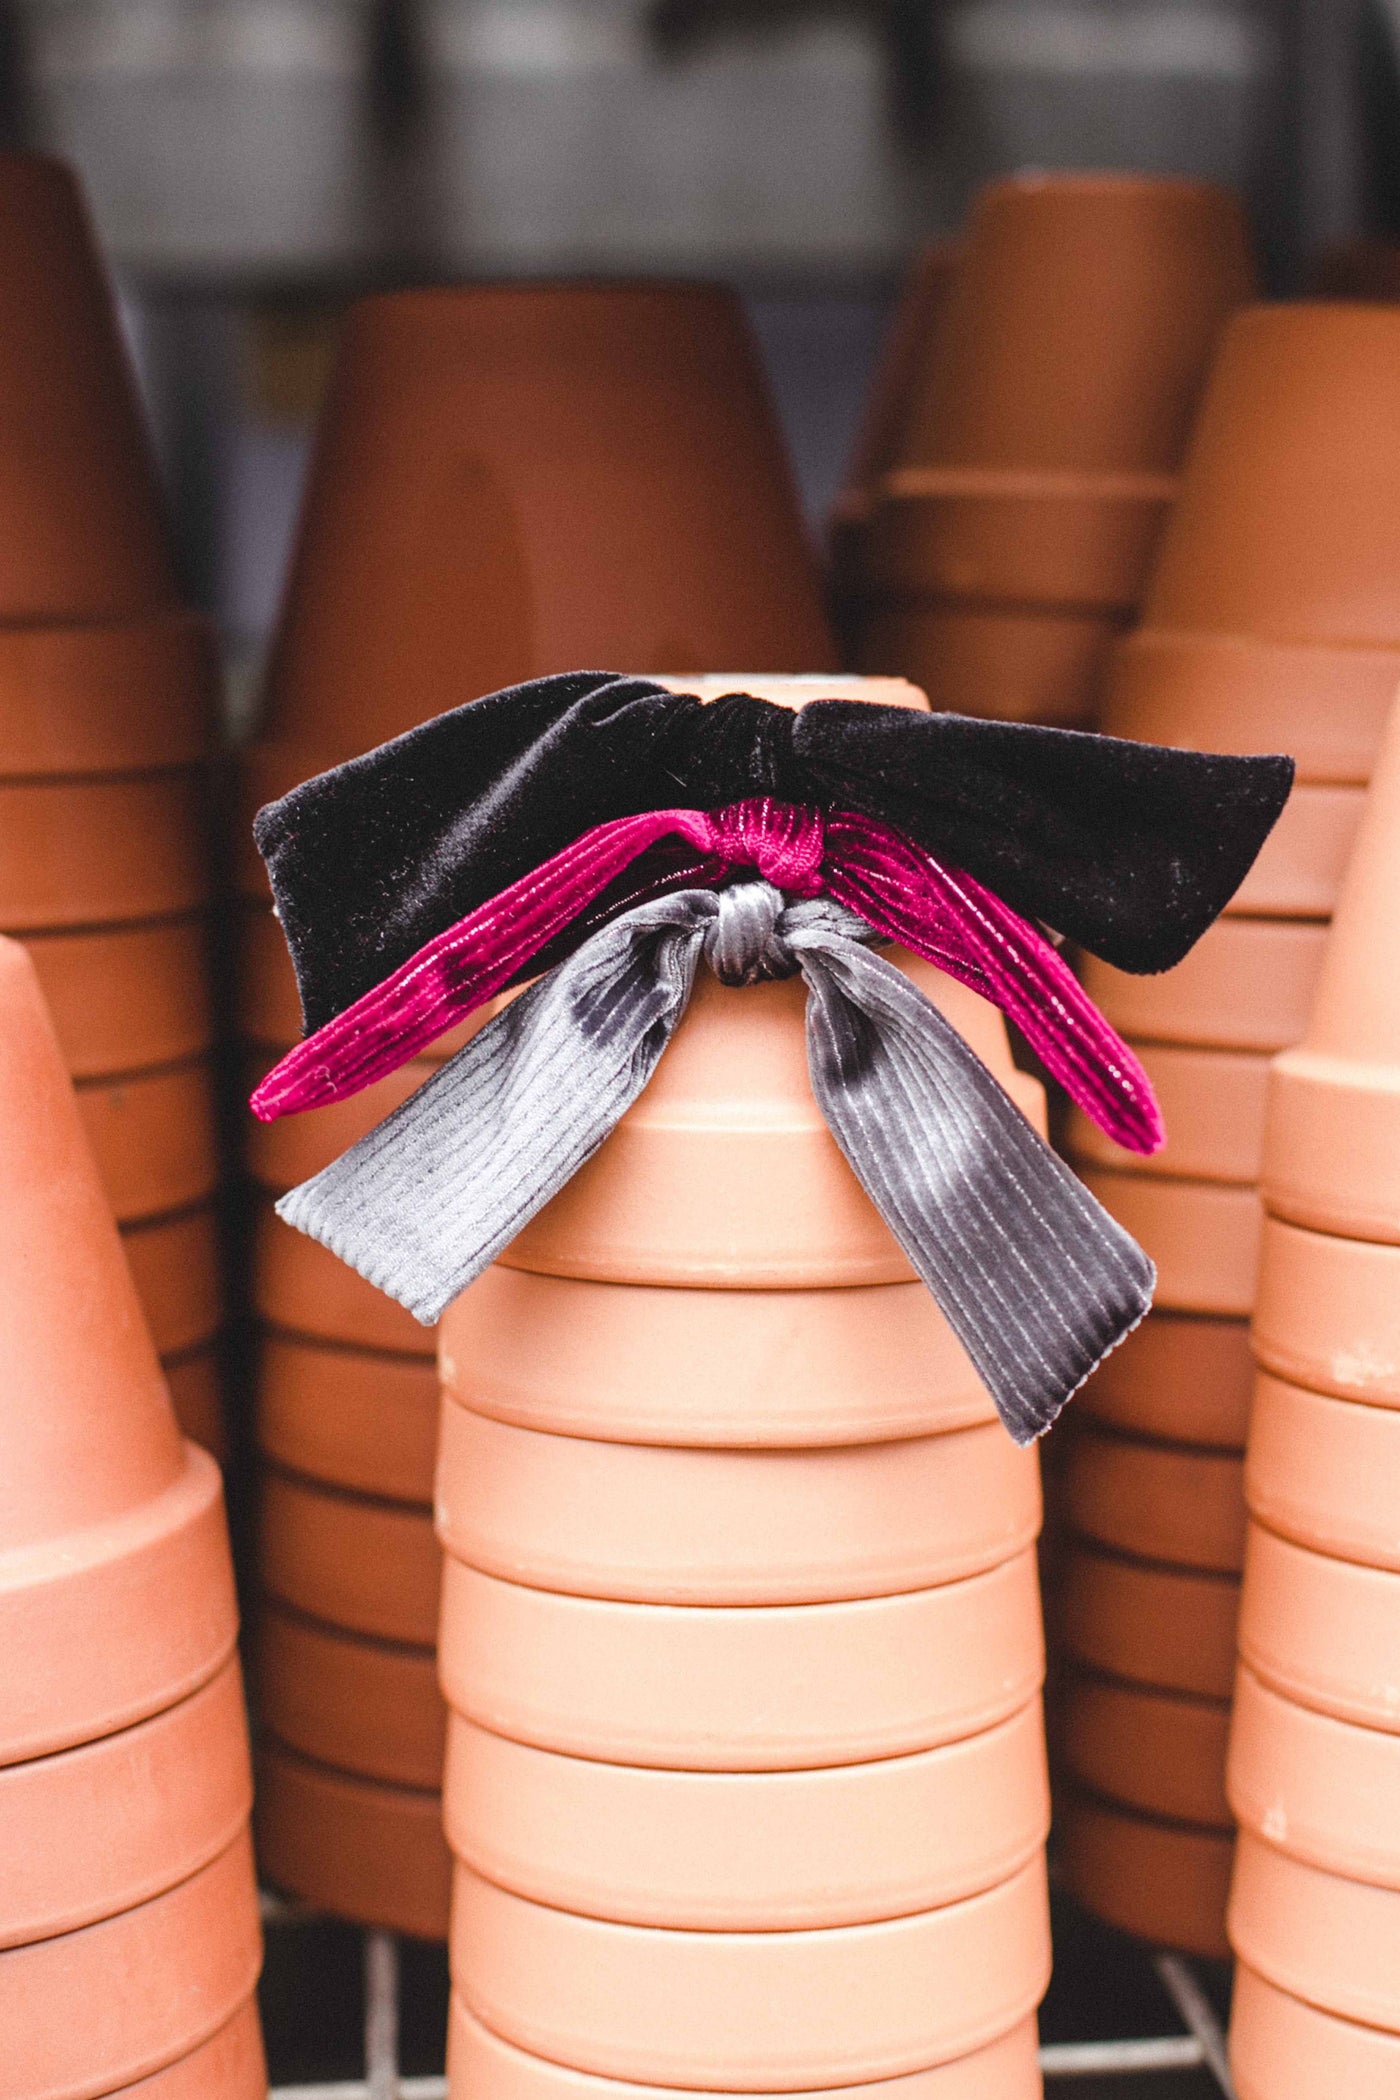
x,y
1130,850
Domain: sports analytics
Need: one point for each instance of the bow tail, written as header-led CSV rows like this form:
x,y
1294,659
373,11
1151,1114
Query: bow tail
x,y
1034,1277
430,1197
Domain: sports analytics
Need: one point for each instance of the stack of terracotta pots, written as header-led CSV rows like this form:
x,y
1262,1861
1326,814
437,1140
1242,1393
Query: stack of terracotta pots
x,y
107,723
508,482
1314,1773
1274,624
129,1941
1010,533
740,1631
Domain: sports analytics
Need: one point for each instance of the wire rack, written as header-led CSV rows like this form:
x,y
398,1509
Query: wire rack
x,y
1200,2046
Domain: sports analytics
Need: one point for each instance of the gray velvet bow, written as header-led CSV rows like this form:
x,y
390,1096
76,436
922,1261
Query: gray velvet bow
x,y
1034,1277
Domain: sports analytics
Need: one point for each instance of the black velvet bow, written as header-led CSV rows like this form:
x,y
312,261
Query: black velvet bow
x,y
1130,850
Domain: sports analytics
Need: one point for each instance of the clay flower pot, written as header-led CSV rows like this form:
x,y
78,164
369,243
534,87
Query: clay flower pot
x,y
526,478
352,1420
1322,1632
354,1847
1180,1377
648,1525
1014,665
1171,1628
752,2012
196,1386
1160,1502
1321,1790
1163,1882
366,1567
1328,1316
1326,1473
750,1851
1282,2049
362,1706
66,696
762,1688
1299,872
1203,1236
176,1267
127,997
1274,615
155,1138
300,1288
81,536
1246,985
1155,1751
1317,1936
229,2066
1213,1104
94,852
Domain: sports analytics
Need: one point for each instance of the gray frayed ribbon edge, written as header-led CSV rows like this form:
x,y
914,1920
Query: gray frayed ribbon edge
x,y
1037,1281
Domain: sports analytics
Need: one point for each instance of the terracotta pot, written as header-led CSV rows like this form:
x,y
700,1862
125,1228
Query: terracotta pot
x,y
229,2066
800,1367
1328,1315
724,1173
654,1526
196,1385
350,1419
361,1850
279,1155
155,1138
80,517
1179,1377
1282,2049
1172,1628
597,465
1014,664
1203,1236
1158,1502
1246,985
177,1270
127,997
1300,871
763,1688
359,1705
746,1851
299,1286
95,852
269,1012
1323,1632
118,2000
1326,1473
1321,1790
1154,1751
65,696
752,2012
1317,1936
97,1830
1163,1882
366,1567
1333,1144
1213,1104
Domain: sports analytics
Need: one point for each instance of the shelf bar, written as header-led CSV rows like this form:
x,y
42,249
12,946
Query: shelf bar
x,y
1183,1987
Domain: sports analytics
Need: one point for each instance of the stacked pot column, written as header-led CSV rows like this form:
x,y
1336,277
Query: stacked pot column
x,y
1274,624
508,482
129,1940
1009,537
740,1624
1314,1771
107,724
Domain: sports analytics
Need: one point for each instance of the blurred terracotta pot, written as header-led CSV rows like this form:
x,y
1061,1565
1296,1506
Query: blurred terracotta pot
x,y
752,2012
1300,871
724,1173
1328,1316
1166,1627
1317,1936
1246,985
99,1829
480,2062
177,1270
526,478
229,2066
1321,1631
749,1851
66,696
650,1525
800,1367
1326,1473
1213,1103
1282,2049
366,1567
155,1138
113,2002
127,997
1163,1882
1180,1377
279,1155
1203,1236
196,1384
1158,1501
362,1706
355,1847
299,1286
1156,1751
80,518
93,852
1014,664
763,1688
348,1418
1321,1790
